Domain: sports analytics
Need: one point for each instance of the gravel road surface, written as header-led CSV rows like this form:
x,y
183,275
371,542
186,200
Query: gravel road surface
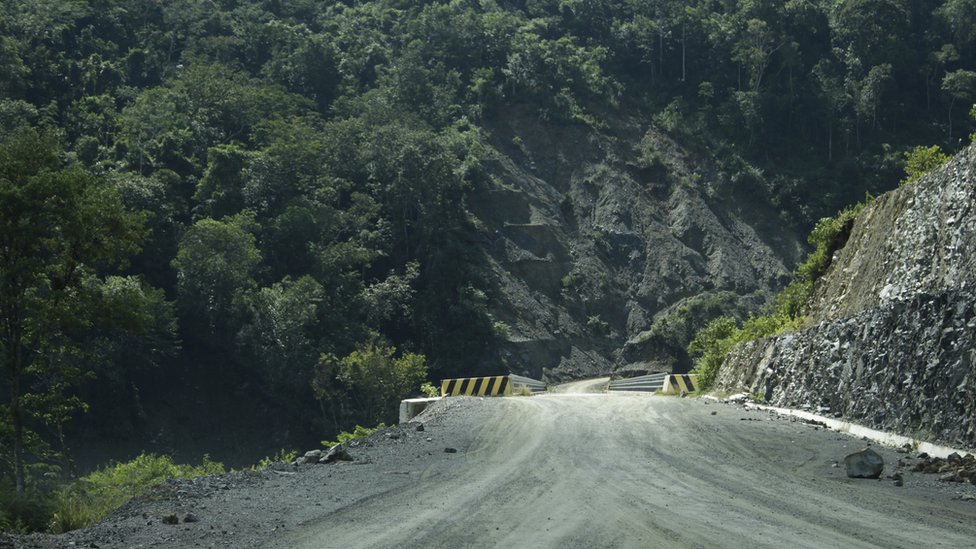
x,y
561,470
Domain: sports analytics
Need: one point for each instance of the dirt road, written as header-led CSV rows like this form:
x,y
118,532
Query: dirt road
x,y
578,470
559,470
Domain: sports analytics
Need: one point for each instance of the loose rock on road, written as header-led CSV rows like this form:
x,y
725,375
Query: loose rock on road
x,y
573,470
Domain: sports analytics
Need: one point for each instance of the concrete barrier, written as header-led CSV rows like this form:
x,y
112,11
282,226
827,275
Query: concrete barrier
x,y
490,386
411,407
476,386
680,383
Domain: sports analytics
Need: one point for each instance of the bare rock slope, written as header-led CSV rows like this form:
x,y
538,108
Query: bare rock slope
x,y
894,344
593,235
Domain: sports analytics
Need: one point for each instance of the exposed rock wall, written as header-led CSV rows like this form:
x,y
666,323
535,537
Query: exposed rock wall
x,y
587,246
917,239
894,345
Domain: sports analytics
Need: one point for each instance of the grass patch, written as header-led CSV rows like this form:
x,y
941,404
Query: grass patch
x,y
283,456
93,496
357,433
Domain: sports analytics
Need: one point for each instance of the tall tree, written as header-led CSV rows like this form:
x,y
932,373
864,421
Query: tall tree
x,y
58,227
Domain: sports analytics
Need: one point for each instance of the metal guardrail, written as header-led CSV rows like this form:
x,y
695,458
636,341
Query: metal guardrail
x,y
648,383
534,385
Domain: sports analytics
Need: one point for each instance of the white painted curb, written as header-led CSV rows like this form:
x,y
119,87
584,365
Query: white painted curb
x,y
853,429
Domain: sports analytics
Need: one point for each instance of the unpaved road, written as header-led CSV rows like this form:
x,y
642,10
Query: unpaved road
x,y
597,385
562,470
587,471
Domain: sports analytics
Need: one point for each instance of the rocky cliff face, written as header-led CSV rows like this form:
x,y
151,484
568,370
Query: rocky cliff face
x,y
594,235
894,344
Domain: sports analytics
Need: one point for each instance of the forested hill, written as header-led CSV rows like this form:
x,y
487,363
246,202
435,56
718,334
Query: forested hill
x,y
302,208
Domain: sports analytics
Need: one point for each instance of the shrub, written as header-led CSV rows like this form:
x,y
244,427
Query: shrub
x,y
22,513
712,344
95,495
282,456
920,161
429,390
829,235
572,280
378,379
597,325
972,114
357,433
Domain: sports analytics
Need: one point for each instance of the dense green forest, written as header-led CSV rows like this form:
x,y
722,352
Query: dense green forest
x,y
264,201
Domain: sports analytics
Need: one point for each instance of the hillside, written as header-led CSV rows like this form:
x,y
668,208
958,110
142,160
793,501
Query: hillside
x,y
894,319
237,226
590,247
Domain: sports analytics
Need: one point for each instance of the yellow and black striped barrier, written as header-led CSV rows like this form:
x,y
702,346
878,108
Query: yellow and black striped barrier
x,y
477,386
680,383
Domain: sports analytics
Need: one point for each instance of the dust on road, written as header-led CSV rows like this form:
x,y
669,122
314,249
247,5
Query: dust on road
x,y
591,470
560,470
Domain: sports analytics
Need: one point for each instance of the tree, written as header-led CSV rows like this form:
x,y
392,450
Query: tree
x,y
214,268
755,50
378,379
220,191
959,85
58,227
280,335
959,17
869,92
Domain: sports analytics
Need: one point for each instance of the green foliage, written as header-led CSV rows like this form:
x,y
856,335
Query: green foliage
x,y
597,325
24,512
327,150
921,160
712,344
95,495
357,433
58,226
279,338
829,235
972,114
429,390
283,456
214,267
89,498
377,379
571,280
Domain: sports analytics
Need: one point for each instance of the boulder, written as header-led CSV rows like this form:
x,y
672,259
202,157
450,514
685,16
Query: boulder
x,y
864,464
336,453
